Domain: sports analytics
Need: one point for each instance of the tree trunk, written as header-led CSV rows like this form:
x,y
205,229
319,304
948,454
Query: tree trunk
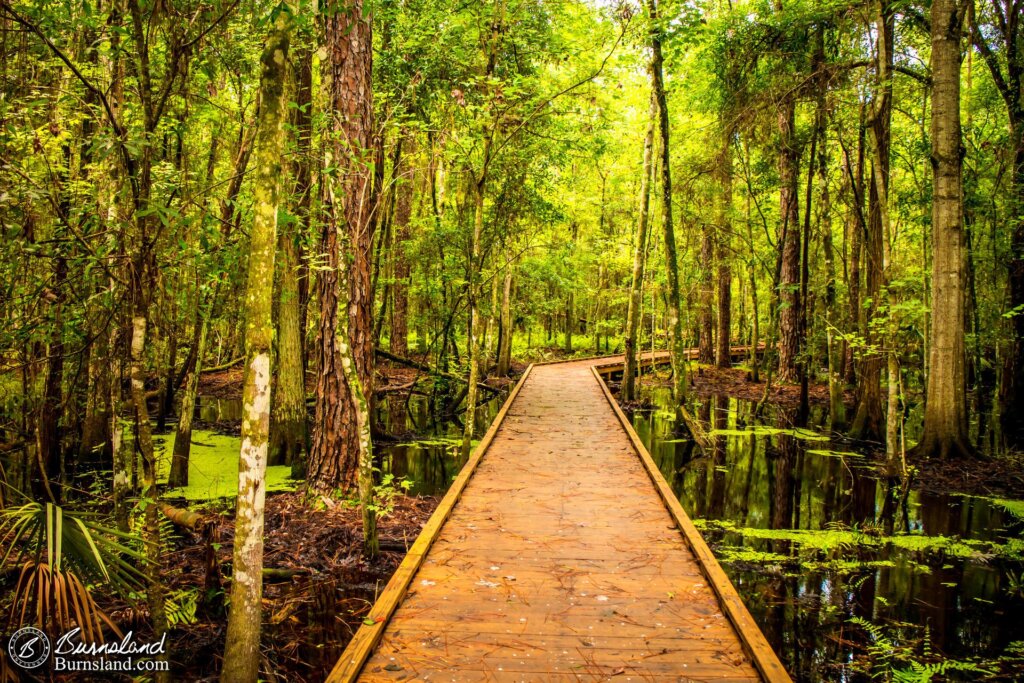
x,y
837,409
706,337
49,432
288,432
399,337
723,248
178,475
334,456
856,228
945,418
868,421
674,322
635,306
505,342
242,647
789,274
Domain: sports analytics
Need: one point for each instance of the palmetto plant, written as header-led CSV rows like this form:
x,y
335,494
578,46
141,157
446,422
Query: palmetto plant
x,y
61,554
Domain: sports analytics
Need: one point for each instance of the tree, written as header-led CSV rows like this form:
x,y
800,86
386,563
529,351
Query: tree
x,y
639,261
675,325
241,651
334,454
945,419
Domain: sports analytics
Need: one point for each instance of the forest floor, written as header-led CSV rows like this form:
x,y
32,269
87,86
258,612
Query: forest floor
x,y
317,585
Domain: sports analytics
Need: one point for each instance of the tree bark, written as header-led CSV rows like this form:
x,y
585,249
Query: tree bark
x,y
242,647
723,250
505,341
399,339
789,274
674,322
1008,27
635,306
334,455
945,418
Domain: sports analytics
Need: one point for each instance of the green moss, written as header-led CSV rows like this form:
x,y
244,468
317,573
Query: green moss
x,y
213,467
834,454
762,430
810,541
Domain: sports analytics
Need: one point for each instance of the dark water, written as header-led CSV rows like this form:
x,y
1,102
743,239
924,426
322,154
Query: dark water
x,y
427,452
947,586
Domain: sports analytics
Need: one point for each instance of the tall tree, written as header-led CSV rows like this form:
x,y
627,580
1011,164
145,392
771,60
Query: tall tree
x,y
635,305
242,648
675,323
347,78
945,418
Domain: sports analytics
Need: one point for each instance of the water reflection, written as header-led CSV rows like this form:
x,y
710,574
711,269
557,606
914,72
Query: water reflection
x,y
804,588
427,452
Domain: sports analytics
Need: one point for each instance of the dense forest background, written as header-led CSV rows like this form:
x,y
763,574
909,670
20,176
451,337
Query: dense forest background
x,y
320,194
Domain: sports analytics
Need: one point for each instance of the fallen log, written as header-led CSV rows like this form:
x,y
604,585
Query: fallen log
x,y
225,366
275,574
193,521
423,367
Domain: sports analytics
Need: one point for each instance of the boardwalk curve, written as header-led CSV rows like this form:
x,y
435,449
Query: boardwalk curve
x,y
559,554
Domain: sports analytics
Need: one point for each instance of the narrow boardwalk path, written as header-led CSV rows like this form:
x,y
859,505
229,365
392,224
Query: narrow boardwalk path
x,y
559,562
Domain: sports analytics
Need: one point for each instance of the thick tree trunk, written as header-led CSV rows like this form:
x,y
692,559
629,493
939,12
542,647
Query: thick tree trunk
x,y
674,322
242,647
945,418
635,306
1011,392
334,456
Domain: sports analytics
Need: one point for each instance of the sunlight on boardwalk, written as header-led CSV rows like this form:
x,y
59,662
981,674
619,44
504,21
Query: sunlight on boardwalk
x,y
560,562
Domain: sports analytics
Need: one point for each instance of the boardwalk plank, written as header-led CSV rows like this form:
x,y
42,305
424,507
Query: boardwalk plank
x,y
558,560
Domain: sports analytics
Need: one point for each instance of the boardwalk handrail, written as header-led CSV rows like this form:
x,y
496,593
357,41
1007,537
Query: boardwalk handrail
x,y
359,649
751,637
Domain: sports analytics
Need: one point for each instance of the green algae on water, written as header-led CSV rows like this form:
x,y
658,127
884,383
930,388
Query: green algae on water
x,y
213,467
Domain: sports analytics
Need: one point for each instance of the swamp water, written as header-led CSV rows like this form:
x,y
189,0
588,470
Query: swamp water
x,y
844,588
426,454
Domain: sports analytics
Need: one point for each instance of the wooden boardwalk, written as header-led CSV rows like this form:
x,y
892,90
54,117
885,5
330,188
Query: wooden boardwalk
x,y
559,554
